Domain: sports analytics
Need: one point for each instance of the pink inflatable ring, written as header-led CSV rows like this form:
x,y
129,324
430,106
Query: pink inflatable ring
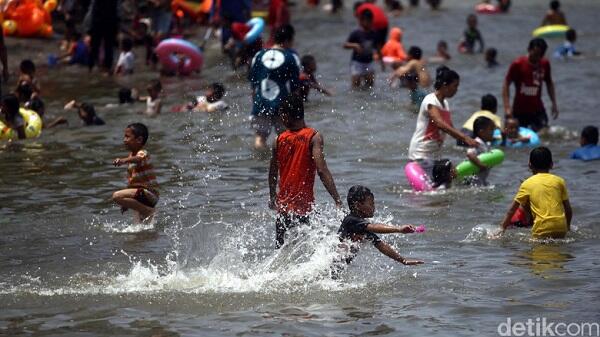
x,y
179,55
417,178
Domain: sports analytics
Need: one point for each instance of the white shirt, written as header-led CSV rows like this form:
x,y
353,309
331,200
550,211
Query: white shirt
x,y
152,108
427,140
126,62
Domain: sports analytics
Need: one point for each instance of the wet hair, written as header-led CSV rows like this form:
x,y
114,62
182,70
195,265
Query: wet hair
x,y
415,52
76,36
356,194
155,85
540,158
489,103
36,104
554,5
125,96
481,123
590,135
284,33
571,35
11,103
491,53
366,15
218,90
306,60
126,44
24,91
139,130
411,77
444,76
27,66
538,43
88,108
293,106
471,17
442,43
442,172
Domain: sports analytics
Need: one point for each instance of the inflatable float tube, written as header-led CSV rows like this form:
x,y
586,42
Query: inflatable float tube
x,y
167,50
257,26
33,126
417,178
489,159
550,31
534,139
484,8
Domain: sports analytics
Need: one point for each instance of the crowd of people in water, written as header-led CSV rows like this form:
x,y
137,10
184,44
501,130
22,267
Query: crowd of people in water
x,y
281,80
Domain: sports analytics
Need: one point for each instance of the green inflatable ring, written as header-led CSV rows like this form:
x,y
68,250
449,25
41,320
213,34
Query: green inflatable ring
x,y
489,159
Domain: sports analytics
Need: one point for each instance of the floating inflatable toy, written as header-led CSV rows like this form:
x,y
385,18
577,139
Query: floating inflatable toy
x,y
179,55
417,178
520,219
28,18
485,8
489,159
550,31
33,126
257,26
534,139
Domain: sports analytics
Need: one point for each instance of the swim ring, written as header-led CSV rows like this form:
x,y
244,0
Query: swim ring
x,y
534,139
417,178
485,8
28,18
257,26
550,31
489,159
168,50
33,126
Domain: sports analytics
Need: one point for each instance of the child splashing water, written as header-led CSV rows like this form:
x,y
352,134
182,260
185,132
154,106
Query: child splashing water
x,y
141,193
355,229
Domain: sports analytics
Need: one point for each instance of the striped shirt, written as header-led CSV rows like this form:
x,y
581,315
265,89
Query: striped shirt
x,y
142,174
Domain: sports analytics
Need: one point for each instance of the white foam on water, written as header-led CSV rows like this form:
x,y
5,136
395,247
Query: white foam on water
x,y
302,264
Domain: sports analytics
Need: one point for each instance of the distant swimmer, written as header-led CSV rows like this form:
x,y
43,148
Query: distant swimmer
x,y
554,16
356,229
141,193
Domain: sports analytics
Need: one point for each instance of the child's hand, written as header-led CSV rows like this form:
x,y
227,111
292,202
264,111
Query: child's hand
x,y
118,162
411,262
407,229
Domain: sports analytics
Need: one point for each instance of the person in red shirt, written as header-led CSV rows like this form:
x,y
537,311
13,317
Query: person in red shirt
x,y
528,74
297,157
380,20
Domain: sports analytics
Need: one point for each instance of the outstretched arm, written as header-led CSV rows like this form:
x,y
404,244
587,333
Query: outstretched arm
x,y
391,253
552,94
322,169
509,214
273,175
568,213
506,99
436,117
387,229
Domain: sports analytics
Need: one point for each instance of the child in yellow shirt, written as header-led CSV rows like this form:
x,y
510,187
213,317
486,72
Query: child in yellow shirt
x,y
545,196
